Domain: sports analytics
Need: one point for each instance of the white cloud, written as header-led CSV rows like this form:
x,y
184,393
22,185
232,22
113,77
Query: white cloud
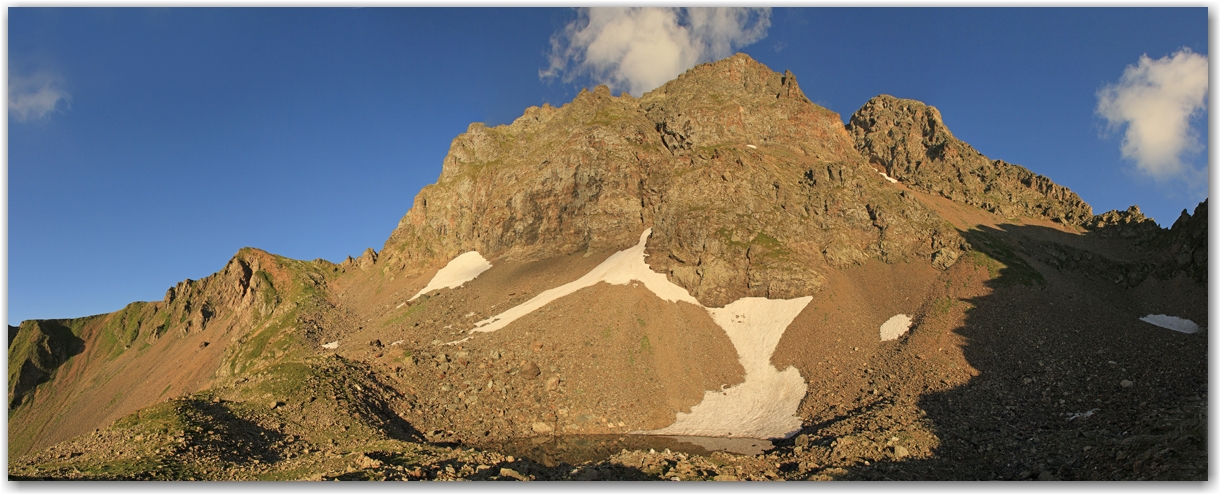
x,y
638,49
1156,100
35,96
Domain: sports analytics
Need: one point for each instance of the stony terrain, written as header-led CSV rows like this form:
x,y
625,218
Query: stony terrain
x,y
1026,359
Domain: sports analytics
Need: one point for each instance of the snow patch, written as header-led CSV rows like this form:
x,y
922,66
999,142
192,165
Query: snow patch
x,y
619,269
764,406
1081,415
751,146
1170,322
888,178
894,327
461,269
332,345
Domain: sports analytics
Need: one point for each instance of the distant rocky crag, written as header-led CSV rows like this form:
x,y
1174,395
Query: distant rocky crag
x,y
910,141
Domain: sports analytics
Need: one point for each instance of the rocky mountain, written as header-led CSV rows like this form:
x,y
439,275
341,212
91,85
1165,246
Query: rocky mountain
x,y
909,140
749,188
716,280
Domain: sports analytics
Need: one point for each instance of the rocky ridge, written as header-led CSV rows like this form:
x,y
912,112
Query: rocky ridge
x,y
909,140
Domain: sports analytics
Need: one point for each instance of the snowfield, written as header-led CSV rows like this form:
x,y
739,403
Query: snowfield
x,y
764,406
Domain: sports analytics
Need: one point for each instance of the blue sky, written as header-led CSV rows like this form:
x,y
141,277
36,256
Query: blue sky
x,y
146,146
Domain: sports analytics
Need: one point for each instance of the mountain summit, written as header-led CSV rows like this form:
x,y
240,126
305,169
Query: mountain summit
x,y
718,265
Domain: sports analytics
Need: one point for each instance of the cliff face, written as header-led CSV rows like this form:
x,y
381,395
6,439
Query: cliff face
x,y
750,189
910,141
1183,247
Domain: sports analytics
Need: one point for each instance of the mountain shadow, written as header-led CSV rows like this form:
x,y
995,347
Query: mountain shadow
x,y
1066,382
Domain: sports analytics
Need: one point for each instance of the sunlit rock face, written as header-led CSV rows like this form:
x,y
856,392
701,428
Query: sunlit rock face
x,y
750,189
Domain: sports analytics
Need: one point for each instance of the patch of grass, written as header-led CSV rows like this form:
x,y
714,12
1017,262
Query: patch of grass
x,y
120,331
770,248
406,314
982,260
645,345
268,345
726,237
114,399
270,298
606,116
943,305
163,326
1005,266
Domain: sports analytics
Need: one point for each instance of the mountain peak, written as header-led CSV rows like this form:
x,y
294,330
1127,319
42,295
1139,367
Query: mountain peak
x,y
736,76
910,141
734,168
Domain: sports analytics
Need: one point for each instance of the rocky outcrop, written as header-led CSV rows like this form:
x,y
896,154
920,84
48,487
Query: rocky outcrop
x,y
246,286
909,140
1183,247
748,187
1130,224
